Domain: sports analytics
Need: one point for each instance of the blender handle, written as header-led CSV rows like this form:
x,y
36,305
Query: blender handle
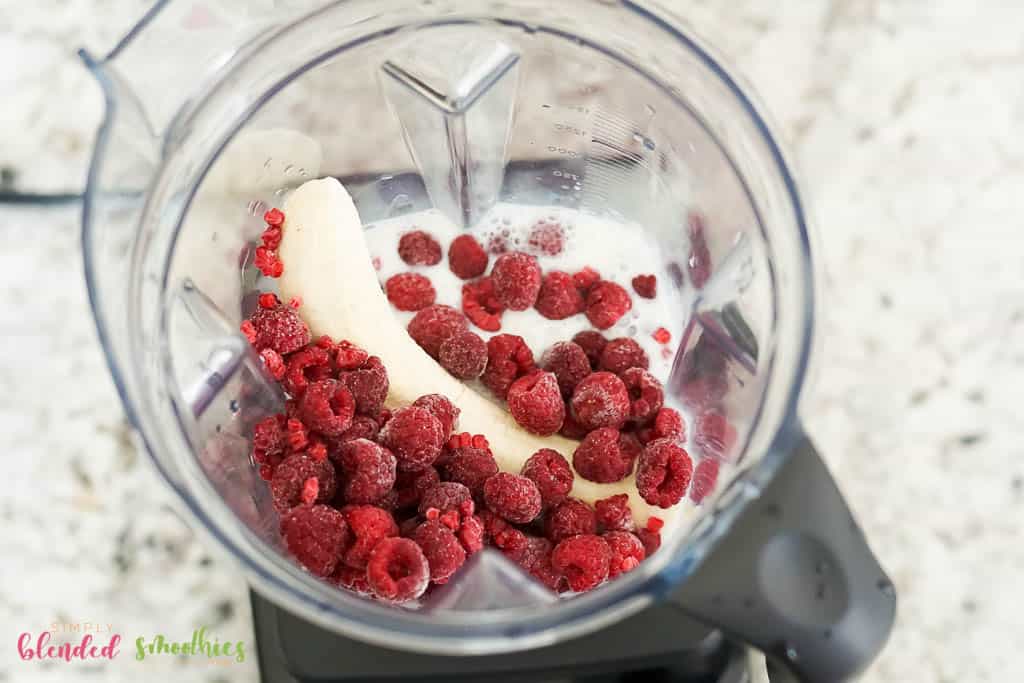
x,y
795,578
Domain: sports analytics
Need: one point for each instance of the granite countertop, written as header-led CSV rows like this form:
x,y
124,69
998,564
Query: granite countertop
x,y
904,118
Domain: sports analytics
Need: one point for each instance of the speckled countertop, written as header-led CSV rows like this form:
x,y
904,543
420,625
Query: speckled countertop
x,y
904,117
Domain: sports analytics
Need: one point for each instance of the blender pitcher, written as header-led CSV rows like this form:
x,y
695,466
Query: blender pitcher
x,y
610,108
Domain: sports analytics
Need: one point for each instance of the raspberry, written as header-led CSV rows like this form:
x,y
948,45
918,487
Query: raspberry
x,y
600,457
369,471
466,258
600,400
630,447
646,286
317,536
513,497
704,479
516,280
348,356
291,476
267,300
471,534
661,335
409,291
317,450
614,514
568,362
280,329
467,440
304,366
463,355
471,467
271,237
268,263
606,303
645,395
663,473
269,436
248,330
536,403
668,424
592,342
441,408
535,557
583,560
411,485
569,518
585,279
621,354
274,217
558,298
655,523
651,540
415,436
508,358
714,435
433,325
699,263
627,552
363,427
547,238
418,248
442,549
368,385
298,439
327,407
448,495
352,579
480,304
571,429
368,524
274,363
397,570
552,475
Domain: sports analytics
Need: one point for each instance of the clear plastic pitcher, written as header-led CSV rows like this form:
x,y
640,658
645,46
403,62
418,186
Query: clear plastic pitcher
x,y
215,110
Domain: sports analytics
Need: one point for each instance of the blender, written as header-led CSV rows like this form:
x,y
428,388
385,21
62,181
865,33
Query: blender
x,y
610,108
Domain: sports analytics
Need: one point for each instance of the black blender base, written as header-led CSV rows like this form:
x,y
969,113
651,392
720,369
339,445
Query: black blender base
x,y
659,645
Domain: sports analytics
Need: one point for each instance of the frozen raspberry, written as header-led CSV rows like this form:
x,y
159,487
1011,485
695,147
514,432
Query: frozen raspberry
x,y
352,579
463,355
583,560
704,479
569,518
480,304
552,475
327,407
274,217
268,300
646,286
535,557
516,280
614,514
304,366
467,440
442,549
699,263
410,486
268,262
513,497
317,536
547,238
668,424
662,336
471,467
415,436
651,540
630,447
600,400
368,524
418,248
606,303
502,535
586,279
592,342
536,403
497,244
280,329
621,354
409,291
645,395
269,436
274,363
271,237
291,476
446,496
571,429
471,534
397,570
347,356
600,457
663,473
466,257
627,552
714,435
298,438
568,362
369,471
558,298
363,427
433,325
369,386
441,408
508,358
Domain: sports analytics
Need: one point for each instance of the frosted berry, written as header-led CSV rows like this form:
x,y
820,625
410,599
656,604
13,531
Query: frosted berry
x,y
583,560
410,291
552,475
446,496
347,356
410,486
466,257
441,408
368,524
280,329
513,497
290,478
627,552
571,429
317,536
569,518
269,436
481,306
352,579
536,559
369,386
592,342
568,362
600,400
558,298
433,325
418,248
606,303
304,366
650,539
645,395
369,471
621,354
645,286
705,476
536,403
663,473
517,280
614,514
397,570
471,534
327,407
668,424
415,436
586,279
463,355
508,358
600,458
363,427
547,238
471,467
442,549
